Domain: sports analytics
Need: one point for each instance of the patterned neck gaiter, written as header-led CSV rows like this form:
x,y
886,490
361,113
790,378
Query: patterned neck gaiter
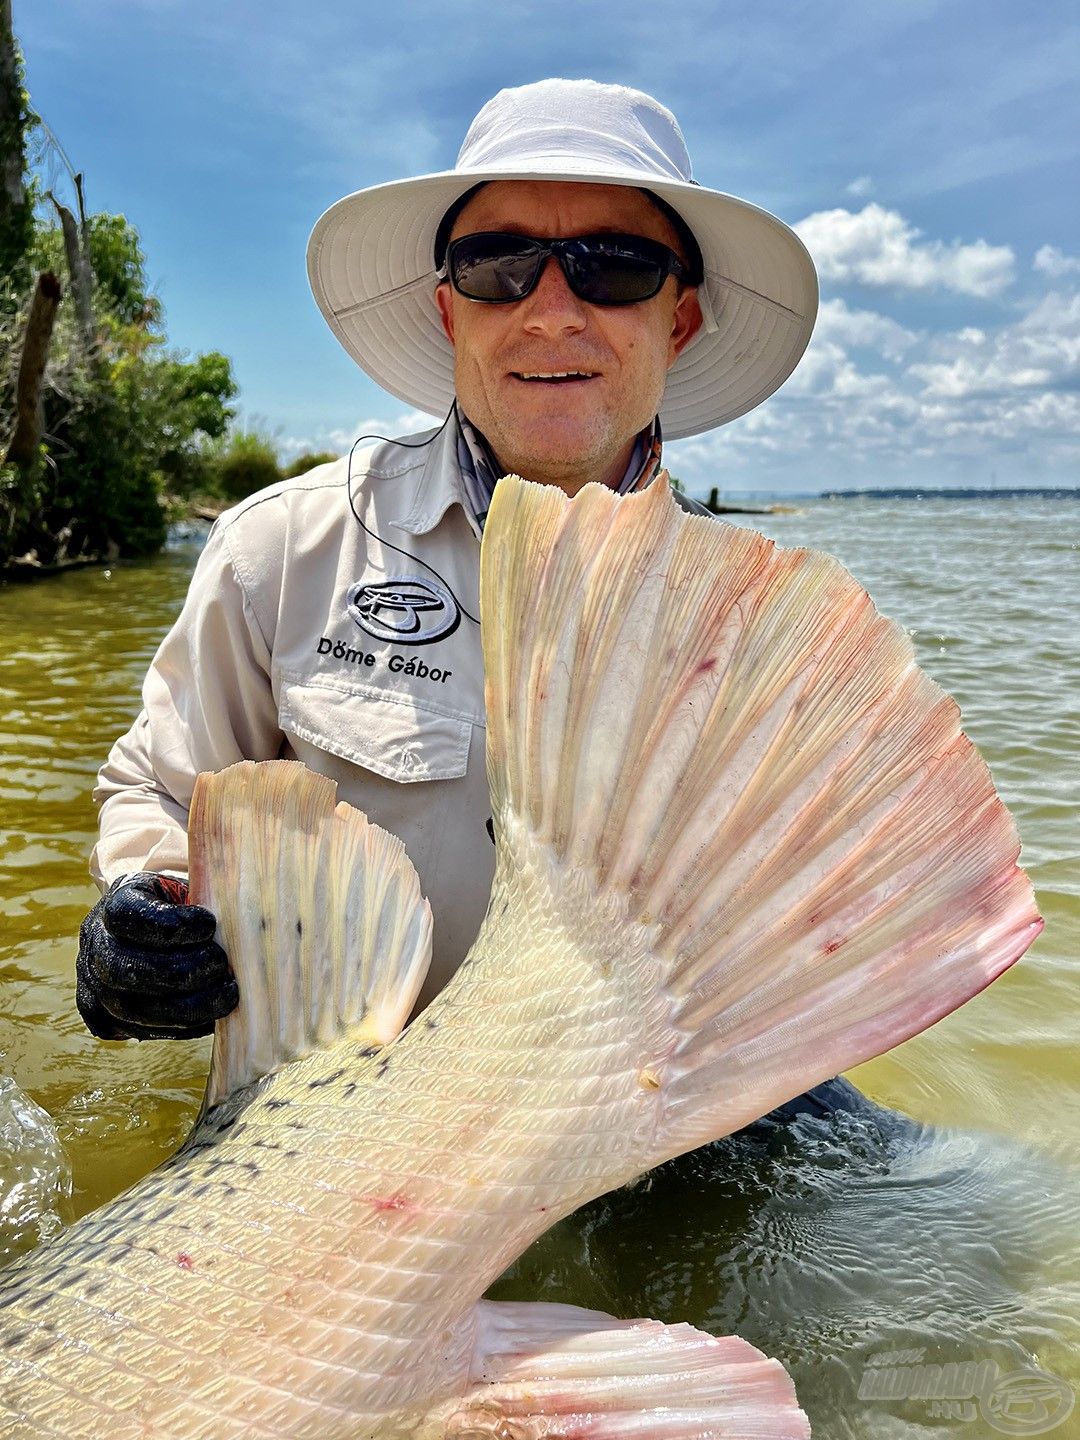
x,y
480,469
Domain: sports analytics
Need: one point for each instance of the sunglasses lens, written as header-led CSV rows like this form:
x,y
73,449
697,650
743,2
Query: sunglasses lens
x,y
493,267
608,273
600,269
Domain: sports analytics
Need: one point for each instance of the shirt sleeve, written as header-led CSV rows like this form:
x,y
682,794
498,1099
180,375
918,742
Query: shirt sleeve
x,y
207,703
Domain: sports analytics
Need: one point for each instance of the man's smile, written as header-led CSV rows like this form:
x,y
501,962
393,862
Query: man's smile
x,y
553,377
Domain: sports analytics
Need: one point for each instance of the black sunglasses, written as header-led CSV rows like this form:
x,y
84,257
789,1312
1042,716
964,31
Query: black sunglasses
x,y
600,269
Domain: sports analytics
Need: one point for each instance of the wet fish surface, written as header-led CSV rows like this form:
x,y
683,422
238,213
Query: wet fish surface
x,y
742,844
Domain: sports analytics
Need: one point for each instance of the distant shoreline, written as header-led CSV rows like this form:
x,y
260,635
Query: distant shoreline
x,y
957,492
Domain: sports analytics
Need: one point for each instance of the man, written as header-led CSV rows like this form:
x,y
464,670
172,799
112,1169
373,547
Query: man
x,y
560,291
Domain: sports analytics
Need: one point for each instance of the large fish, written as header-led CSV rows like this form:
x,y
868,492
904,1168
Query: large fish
x,y
742,845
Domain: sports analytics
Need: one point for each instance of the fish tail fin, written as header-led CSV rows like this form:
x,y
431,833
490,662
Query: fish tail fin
x,y
724,743
542,1370
319,912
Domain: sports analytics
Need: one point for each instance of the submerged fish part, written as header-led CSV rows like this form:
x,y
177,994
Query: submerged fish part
x,y
742,844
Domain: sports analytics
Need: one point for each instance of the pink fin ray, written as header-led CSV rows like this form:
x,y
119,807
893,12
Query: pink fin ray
x,y
558,1371
731,742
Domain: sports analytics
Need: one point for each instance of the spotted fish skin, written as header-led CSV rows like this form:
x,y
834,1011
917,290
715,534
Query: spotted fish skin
x,y
742,844
273,1250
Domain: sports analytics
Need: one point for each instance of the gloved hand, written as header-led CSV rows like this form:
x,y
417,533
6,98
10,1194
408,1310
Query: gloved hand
x,y
148,967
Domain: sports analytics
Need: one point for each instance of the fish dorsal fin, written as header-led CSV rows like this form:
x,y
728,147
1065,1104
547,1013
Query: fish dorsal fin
x,y
723,743
318,910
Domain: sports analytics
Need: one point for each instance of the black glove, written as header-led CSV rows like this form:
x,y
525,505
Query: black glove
x,y
148,967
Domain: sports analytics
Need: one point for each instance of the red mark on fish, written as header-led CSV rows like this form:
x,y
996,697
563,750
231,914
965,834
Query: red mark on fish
x,y
185,1261
392,1202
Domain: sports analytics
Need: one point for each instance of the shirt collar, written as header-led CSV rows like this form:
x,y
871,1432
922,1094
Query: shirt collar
x,y
429,481
429,475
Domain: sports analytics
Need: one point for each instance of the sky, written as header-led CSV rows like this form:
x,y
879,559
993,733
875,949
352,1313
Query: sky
x,y
925,151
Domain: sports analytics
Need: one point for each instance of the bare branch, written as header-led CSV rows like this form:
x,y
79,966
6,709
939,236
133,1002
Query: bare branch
x,y
35,351
79,270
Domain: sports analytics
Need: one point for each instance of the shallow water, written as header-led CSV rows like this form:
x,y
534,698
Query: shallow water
x,y
843,1246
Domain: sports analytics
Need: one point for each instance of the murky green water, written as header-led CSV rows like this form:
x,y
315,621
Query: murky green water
x,y
835,1245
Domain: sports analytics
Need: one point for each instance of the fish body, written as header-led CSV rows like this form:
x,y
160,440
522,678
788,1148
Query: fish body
x,y
310,1262
741,844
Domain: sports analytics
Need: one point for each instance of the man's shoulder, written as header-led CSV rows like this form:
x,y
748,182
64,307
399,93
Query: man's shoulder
x,y
275,501
324,491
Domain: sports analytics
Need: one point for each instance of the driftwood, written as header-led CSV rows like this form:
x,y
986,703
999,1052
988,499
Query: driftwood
x,y
717,506
209,509
29,567
22,448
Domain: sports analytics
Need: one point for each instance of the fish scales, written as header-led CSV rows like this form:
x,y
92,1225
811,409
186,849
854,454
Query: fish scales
x,y
508,1123
310,1264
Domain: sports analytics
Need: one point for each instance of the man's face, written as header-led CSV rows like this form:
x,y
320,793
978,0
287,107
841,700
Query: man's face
x,y
566,432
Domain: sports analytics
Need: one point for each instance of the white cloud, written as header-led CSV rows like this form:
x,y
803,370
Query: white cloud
x,y
864,329
963,377
1049,260
875,246
875,403
1040,350
860,187
342,438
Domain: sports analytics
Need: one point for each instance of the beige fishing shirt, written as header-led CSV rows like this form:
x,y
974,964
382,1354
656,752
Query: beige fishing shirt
x,y
356,650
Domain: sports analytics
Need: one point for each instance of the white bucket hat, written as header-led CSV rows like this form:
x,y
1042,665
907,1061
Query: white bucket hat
x,y
371,256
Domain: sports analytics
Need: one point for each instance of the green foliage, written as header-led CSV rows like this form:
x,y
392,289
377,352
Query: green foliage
x,y
246,462
125,420
108,493
303,463
119,267
21,493
187,403
125,426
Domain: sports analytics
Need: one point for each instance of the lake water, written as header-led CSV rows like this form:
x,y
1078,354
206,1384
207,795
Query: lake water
x,y
850,1249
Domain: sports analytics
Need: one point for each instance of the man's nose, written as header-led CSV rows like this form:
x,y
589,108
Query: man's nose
x,y
553,306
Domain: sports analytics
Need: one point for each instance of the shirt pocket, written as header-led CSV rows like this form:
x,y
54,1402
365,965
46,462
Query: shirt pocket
x,y
394,736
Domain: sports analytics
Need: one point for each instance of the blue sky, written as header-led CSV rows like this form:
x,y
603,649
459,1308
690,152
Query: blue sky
x,y
927,153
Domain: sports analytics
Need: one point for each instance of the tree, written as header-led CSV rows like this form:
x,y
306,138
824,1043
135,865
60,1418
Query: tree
x,y
98,418
17,209
37,335
246,463
308,460
124,426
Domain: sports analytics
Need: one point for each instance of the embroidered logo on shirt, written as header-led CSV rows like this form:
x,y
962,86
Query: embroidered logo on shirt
x,y
406,610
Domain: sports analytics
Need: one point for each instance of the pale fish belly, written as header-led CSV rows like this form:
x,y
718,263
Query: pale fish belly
x,y
312,1256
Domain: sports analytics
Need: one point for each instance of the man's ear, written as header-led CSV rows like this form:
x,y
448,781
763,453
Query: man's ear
x,y
444,299
686,322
